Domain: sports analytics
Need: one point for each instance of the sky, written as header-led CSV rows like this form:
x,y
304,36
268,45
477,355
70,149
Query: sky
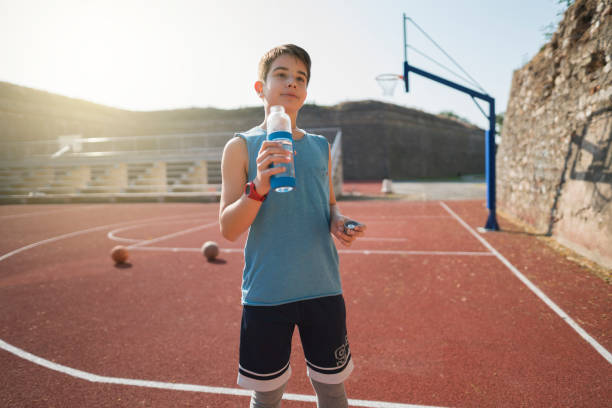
x,y
157,55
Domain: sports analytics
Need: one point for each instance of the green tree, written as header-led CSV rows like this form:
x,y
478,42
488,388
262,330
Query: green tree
x,y
453,115
499,122
549,29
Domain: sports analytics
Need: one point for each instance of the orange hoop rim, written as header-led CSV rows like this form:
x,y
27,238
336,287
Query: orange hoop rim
x,y
389,77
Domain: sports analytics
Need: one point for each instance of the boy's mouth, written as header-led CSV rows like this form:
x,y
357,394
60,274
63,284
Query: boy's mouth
x,y
289,94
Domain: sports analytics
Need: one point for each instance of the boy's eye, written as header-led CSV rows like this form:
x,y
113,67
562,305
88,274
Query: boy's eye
x,y
301,79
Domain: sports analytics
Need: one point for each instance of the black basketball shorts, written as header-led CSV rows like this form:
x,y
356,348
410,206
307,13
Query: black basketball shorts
x,y
265,342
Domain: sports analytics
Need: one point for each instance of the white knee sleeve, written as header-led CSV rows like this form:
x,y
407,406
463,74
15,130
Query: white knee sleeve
x,y
267,399
330,395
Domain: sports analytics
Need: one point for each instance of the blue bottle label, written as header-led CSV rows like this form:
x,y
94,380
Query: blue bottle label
x,y
285,181
280,135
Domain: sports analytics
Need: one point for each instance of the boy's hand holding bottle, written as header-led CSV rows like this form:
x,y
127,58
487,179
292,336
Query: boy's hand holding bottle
x,y
271,152
275,169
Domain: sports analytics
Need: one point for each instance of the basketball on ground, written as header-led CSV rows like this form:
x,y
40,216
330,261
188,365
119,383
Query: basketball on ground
x,y
119,254
210,249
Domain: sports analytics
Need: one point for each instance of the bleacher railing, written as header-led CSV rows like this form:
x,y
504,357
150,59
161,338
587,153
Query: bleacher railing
x,y
172,147
168,147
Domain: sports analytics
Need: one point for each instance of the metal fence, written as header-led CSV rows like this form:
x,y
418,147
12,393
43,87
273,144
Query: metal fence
x,y
74,150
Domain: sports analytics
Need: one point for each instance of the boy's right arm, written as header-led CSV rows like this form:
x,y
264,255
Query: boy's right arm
x,y
236,211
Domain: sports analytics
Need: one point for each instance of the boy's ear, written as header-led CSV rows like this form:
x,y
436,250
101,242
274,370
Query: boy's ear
x,y
259,87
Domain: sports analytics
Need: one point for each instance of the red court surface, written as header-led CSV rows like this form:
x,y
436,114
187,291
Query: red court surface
x,y
438,313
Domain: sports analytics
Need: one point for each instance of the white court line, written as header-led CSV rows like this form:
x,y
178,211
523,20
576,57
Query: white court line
x,y
84,375
401,217
383,239
387,220
391,252
112,234
340,251
157,384
172,235
180,249
72,234
600,349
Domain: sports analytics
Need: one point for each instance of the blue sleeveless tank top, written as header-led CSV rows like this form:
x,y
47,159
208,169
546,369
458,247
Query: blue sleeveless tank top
x,y
289,253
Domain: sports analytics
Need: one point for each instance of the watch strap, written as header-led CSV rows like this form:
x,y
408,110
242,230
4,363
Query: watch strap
x,y
252,193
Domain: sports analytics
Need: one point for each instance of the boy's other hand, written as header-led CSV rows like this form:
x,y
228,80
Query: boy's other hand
x,y
270,153
346,237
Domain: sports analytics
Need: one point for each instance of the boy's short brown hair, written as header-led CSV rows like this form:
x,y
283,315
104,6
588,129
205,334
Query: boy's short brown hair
x,y
290,49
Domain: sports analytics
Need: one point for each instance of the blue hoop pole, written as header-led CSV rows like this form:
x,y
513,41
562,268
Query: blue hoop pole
x,y
491,224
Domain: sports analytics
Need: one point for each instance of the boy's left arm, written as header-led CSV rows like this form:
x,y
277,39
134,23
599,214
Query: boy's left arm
x,y
337,219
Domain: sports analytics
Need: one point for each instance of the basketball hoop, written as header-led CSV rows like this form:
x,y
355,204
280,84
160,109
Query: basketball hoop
x,y
388,83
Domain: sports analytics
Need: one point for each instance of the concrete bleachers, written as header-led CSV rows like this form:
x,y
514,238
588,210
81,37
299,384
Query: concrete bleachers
x,y
146,178
188,177
156,167
106,179
175,171
23,180
213,168
11,180
136,170
67,180
141,179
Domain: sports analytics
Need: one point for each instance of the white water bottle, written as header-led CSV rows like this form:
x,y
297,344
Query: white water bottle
x,y
278,126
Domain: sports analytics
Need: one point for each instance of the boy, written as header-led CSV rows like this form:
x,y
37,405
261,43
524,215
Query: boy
x,y
291,274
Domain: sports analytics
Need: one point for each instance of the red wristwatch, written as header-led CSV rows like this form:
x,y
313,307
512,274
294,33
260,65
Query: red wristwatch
x,y
251,192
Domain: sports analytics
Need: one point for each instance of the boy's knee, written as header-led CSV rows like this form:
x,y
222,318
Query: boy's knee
x,y
267,399
330,395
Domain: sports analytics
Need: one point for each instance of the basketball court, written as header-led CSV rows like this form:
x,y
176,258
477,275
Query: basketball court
x,y
448,305
438,313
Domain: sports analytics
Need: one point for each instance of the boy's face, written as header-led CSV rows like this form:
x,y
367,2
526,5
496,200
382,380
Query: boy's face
x,y
285,84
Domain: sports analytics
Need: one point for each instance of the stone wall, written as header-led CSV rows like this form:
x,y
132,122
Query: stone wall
x,y
379,141
554,165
